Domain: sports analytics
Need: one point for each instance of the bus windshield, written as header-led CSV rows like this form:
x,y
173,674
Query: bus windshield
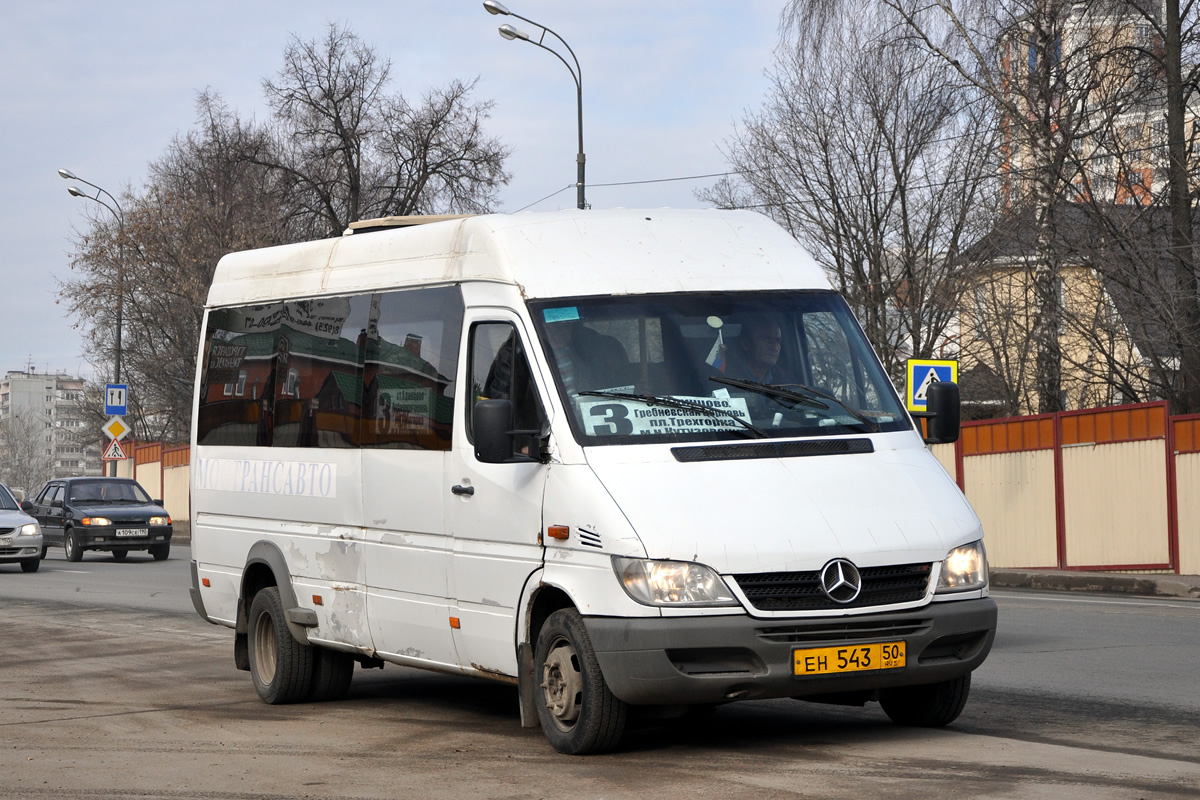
x,y
701,366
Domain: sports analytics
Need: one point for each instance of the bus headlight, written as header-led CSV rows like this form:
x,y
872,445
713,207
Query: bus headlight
x,y
964,569
671,583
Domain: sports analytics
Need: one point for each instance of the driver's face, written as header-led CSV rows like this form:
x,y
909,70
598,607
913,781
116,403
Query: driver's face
x,y
765,343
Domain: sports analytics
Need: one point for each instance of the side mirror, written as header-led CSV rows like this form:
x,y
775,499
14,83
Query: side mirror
x,y
491,423
943,412
26,506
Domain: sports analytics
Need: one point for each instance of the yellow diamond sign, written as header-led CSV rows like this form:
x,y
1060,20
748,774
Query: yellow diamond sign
x,y
115,429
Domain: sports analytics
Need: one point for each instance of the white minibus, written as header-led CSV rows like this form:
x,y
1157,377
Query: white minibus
x,y
632,462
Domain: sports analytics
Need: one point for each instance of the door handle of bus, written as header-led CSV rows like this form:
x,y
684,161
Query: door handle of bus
x,y
463,490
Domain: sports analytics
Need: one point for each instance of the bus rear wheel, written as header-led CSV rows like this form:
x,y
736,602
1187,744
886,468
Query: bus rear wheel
x,y
578,713
280,667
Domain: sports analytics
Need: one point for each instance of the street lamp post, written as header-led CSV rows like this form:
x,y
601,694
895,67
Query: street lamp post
x,y
510,33
117,212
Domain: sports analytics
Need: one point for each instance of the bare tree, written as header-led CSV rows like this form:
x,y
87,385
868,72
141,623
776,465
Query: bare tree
x,y
871,154
337,149
203,200
1066,77
25,441
348,150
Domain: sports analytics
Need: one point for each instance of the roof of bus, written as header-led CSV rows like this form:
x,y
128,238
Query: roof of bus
x,y
555,254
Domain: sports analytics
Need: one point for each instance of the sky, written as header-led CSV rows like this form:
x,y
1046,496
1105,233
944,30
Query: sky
x,y
101,89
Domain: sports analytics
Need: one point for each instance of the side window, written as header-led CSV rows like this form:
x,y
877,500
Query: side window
x,y
499,370
411,362
370,370
318,372
55,495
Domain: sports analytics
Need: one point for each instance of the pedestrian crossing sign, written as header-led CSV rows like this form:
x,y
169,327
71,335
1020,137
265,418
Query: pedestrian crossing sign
x,y
922,373
114,451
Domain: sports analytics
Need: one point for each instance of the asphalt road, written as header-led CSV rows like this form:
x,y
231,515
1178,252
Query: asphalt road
x,y
111,686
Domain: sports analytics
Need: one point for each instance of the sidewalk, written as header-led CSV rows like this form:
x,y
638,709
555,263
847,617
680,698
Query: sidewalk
x,y
1147,585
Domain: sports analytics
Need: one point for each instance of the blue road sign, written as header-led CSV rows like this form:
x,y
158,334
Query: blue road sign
x,y
922,373
116,399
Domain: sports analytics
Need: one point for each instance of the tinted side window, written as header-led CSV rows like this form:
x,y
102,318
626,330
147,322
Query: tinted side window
x,y
410,367
370,370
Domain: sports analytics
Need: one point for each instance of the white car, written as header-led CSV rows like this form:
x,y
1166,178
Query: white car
x,y
20,534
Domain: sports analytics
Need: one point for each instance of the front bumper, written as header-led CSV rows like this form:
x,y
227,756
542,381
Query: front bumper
x,y
106,538
670,660
21,549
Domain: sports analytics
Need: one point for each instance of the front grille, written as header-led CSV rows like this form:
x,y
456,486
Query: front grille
x,y
801,591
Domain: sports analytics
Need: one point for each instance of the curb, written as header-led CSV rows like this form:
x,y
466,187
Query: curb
x,y
1147,585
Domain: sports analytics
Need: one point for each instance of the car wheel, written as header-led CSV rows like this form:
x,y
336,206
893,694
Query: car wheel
x,y
45,550
31,564
71,547
931,706
332,673
578,713
280,667
160,551
119,555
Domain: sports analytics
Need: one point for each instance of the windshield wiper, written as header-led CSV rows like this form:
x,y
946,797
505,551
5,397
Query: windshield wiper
x,y
673,402
798,393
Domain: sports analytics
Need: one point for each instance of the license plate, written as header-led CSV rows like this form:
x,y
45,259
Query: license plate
x,y
130,532
853,658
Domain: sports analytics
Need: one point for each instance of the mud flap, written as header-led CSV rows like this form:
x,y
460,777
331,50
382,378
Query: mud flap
x,y
526,687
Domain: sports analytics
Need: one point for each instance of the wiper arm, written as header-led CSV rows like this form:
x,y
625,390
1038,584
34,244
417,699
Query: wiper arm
x,y
673,402
805,394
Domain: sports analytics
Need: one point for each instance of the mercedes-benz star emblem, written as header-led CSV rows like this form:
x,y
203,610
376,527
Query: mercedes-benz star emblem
x,y
841,581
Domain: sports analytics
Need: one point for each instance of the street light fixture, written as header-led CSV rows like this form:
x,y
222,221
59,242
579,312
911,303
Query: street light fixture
x,y
117,212
511,33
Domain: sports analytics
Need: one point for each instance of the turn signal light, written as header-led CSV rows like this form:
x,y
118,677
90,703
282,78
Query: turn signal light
x,y
558,532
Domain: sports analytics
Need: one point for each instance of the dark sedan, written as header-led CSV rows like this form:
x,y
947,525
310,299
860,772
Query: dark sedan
x,y
108,514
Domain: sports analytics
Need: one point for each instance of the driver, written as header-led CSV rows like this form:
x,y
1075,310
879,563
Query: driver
x,y
755,352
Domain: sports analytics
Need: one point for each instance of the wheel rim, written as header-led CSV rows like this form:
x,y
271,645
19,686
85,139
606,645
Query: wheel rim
x,y
69,545
264,648
562,684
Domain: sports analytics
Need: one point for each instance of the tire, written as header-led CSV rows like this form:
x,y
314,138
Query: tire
x,y
119,555
45,550
280,667
31,564
931,706
160,552
332,672
578,713
71,548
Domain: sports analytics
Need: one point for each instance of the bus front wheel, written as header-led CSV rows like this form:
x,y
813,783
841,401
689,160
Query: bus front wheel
x,y
578,713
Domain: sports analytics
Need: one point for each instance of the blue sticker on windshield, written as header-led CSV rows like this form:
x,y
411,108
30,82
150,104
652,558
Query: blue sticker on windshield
x,y
564,314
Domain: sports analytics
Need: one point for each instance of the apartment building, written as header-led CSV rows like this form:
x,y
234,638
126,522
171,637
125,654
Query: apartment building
x,y
43,430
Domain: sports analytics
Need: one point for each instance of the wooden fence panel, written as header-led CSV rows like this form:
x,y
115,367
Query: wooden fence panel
x,y
1115,505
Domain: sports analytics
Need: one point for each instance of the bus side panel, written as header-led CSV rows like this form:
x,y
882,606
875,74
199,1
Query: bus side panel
x,y
406,573
306,502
